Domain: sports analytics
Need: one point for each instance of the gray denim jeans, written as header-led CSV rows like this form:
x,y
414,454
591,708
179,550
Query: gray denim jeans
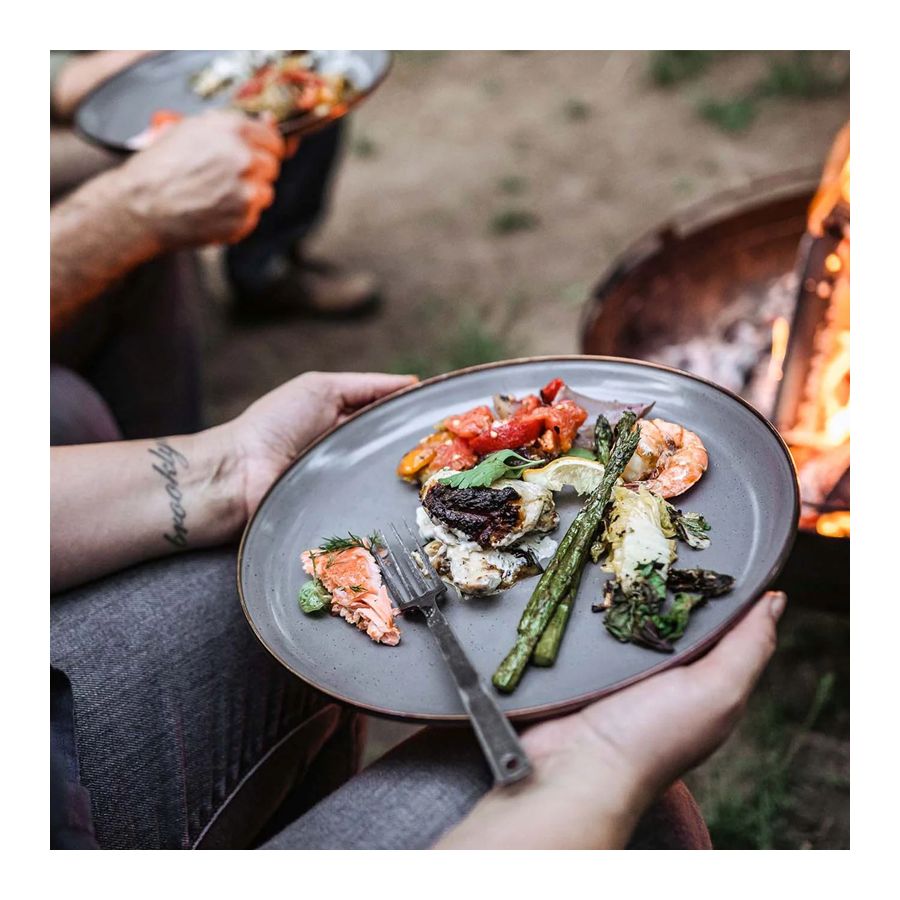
x,y
189,734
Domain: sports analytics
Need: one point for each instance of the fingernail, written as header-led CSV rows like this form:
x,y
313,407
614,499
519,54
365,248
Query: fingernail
x,y
777,603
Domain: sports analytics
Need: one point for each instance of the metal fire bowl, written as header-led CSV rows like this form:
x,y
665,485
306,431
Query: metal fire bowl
x,y
670,282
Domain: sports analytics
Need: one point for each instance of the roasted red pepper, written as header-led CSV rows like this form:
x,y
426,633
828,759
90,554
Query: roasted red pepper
x,y
470,424
454,455
551,389
518,431
563,420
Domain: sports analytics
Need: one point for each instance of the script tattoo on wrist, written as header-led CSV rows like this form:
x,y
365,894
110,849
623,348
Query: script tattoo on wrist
x,y
168,460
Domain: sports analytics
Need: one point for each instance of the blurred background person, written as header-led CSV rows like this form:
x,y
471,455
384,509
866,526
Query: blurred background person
x,y
123,322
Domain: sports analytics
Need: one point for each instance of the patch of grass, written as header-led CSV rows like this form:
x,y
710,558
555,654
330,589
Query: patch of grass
x,y
805,75
509,221
730,115
802,75
512,184
670,67
470,344
798,75
364,147
576,110
748,807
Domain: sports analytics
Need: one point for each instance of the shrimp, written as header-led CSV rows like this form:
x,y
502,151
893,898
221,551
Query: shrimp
x,y
668,460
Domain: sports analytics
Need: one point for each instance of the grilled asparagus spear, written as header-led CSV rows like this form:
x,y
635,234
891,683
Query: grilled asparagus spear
x,y
565,567
548,646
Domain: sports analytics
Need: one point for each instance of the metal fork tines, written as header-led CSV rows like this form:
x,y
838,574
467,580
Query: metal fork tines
x,y
414,584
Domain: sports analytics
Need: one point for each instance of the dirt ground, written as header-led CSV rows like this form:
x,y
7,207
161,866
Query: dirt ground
x,y
489,192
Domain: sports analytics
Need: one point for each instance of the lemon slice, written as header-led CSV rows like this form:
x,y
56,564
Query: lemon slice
x,y
582,474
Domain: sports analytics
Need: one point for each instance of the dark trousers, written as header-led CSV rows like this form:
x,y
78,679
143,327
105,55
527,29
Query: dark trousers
x,y
137,347
300,198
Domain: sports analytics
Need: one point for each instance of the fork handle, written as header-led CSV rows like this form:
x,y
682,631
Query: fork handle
x,y
498,739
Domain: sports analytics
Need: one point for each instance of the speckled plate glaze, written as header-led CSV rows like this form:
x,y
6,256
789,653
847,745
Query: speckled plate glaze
x,y
121,107
346,482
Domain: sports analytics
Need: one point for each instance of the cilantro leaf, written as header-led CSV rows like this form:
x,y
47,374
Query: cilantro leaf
x,y
492,468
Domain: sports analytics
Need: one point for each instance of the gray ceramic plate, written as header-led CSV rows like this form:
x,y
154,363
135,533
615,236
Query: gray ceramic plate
x,y
122,106
346,482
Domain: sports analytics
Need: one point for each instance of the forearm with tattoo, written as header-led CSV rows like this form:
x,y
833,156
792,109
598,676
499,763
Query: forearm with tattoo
x,y
113,505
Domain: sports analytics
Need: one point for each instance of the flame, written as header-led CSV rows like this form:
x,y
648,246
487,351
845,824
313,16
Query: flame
x,y
834,524
834,188
823,421
835,393
780,331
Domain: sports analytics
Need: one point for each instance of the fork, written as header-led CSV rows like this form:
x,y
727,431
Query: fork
x,y
414,584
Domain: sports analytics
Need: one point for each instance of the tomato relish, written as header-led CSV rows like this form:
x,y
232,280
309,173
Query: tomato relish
x,y
545,423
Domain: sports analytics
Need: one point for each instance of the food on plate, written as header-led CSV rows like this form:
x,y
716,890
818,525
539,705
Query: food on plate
x,y
441,450
281,82
582,474
639,540
559,422
638,532
346,578
538,427
483,539
691,528
289,85
229,68
551,601
669,459
487,478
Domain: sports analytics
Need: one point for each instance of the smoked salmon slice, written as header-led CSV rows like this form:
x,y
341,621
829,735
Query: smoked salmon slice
x,y
358,595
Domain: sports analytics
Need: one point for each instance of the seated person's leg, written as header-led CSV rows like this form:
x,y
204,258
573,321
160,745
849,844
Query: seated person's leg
x,y
137,345
424,787
149,368
188,732
268,270
78,414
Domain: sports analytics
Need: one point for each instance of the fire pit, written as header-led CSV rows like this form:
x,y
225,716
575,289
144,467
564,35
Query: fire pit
x,y
754,294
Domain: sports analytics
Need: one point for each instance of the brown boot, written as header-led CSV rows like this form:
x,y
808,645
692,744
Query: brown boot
x,y
312,288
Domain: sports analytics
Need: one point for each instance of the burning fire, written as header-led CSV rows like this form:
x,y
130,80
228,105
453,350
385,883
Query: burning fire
x,y
820,435
780,330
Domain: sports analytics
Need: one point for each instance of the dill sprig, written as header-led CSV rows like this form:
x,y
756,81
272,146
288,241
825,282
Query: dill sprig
x,y
335,544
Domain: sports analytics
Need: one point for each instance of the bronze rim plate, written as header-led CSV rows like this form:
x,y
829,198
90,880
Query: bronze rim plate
x,y
346,481
122,106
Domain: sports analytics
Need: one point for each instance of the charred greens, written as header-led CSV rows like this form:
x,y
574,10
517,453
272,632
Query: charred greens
x,y
636,614
691,528
700,581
